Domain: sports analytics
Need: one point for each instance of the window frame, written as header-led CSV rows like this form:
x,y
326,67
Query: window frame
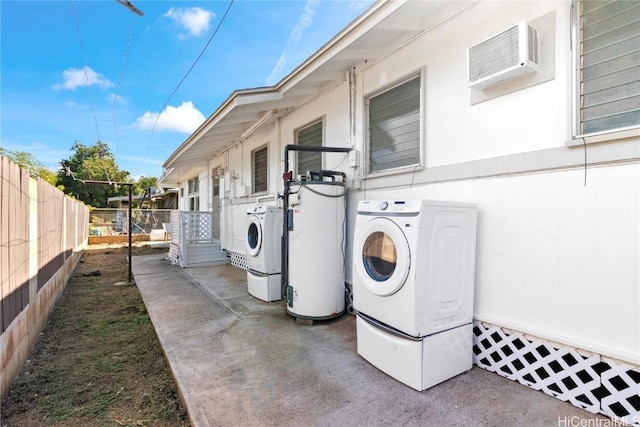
x,y
577,135
322,143
253,170
193,185
193,194
417,74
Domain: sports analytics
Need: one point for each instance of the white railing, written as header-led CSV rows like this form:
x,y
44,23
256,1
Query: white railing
x,y
197,227
189,227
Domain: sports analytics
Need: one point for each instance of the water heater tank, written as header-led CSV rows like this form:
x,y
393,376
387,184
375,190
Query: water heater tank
x,y
316,246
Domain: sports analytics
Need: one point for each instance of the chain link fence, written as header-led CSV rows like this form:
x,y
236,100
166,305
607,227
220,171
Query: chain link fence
x,y
113,222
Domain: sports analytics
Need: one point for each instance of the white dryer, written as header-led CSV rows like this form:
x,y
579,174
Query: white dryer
x,y
413,279
263,244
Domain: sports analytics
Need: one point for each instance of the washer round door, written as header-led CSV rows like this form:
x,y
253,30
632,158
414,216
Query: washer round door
x,y
254,236
382,257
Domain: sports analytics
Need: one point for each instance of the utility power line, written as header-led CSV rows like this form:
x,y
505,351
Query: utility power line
x,y
187,74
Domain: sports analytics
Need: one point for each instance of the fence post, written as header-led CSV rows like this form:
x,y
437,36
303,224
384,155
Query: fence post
x,y
34,240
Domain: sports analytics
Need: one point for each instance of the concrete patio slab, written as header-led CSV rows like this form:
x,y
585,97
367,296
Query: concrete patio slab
x,y
239,361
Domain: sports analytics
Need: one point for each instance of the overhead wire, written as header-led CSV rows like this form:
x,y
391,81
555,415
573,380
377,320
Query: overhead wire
x,y
115,96
86,76
155,123
84,64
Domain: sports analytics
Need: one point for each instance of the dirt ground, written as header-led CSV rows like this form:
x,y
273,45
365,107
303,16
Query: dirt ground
x,y
98,361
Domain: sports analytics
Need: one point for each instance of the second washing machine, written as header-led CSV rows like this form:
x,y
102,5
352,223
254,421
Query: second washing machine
x,y
413,279
263,252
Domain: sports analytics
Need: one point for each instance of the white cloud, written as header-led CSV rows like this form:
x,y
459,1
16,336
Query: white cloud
x,y
185,118
304,21
79,77
196,21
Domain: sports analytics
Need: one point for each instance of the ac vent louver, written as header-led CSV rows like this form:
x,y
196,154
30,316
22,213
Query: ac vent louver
x,y
509,54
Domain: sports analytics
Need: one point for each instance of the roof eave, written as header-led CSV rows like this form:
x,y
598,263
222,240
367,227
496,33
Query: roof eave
x,y
238,97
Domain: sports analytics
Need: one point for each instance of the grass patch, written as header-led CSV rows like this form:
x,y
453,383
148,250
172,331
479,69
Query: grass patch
x,y
98,361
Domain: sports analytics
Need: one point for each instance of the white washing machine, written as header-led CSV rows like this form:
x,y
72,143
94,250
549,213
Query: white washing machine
x,y
263,244
413,279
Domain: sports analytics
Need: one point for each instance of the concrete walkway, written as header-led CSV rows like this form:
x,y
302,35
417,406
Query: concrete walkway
x,y
239,361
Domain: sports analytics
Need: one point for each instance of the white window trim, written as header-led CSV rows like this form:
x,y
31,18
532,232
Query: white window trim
x,y
193,194
421,73
295,138
253,191
608,136
595,137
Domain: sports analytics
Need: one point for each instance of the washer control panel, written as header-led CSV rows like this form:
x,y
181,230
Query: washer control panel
x,y
388,206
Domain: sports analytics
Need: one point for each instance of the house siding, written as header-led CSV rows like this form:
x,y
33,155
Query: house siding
x,y
558,227
556,257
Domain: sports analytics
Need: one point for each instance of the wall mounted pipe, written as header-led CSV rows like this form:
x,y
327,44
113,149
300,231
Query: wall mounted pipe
x,y
287,178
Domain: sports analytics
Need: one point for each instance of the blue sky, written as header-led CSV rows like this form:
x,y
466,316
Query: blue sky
x,y
50,50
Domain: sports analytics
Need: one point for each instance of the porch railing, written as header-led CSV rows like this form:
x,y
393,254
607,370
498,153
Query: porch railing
x,y
197,227
189,227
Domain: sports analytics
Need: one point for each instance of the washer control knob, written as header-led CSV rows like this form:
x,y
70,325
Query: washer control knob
x,y
384,206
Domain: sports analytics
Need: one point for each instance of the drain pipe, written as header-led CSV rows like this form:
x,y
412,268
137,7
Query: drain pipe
x,y
287,177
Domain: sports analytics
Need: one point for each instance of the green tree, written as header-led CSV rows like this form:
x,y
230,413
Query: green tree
x,y
27,161
144,184
143,187
95,163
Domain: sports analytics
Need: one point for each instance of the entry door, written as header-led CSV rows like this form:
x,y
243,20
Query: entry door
x,y
215,203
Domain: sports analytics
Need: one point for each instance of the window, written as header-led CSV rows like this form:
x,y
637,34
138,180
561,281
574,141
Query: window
x,y
394,127
215,184
260,162
193,185
194,203
608,66
193,190
310,136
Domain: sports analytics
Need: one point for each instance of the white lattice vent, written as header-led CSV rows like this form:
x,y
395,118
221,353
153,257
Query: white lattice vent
x,y
587,382
238,260
621,392
348,299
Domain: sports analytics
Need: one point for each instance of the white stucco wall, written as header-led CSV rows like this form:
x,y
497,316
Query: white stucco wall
x,y
237,194
456,131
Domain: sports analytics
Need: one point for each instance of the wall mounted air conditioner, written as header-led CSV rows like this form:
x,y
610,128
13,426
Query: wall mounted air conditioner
x,y
506,55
